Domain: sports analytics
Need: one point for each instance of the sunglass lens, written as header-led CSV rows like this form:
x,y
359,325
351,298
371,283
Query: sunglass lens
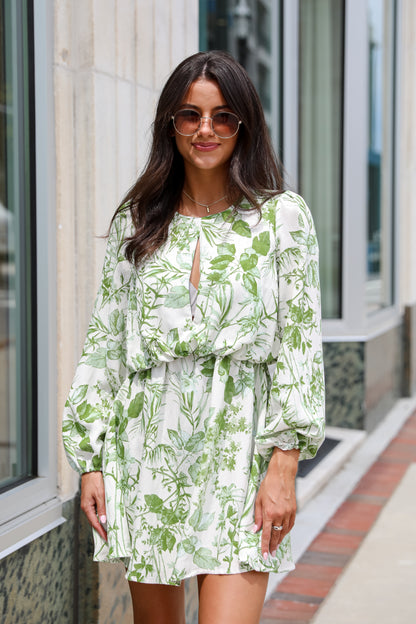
x,y
225,124
186,122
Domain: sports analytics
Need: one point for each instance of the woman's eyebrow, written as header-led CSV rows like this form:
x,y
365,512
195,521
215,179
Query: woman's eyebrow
x,y
220,107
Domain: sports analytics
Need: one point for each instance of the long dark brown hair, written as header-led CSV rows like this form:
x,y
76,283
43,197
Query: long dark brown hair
x,y
255,173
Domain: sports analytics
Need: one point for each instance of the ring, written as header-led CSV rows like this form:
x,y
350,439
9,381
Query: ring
x,y
277,528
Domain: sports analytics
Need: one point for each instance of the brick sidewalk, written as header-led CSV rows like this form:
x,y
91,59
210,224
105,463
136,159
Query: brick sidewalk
x,y
298,597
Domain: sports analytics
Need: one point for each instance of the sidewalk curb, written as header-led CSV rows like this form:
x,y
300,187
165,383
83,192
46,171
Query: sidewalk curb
x,y
317,513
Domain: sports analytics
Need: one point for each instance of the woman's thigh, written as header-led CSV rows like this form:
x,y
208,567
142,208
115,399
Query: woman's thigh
x,y
231,598
157,604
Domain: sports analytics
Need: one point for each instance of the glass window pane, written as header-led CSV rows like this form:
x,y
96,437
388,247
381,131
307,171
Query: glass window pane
x,y
379,287
250,31
320,135
17,303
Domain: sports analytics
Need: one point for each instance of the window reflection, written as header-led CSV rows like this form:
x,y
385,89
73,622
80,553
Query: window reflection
x,y
250,31
380,154
17,305
321,60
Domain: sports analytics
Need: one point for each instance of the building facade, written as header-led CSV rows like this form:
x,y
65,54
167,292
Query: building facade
x,y
78,85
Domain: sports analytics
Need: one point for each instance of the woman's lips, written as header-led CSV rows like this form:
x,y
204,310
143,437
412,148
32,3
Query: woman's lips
x,y
205,147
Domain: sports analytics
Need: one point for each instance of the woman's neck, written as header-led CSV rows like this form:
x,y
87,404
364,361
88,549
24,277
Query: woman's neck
x,y
205,192
207,187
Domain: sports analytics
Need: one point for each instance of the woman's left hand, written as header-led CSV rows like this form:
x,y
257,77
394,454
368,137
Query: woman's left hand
x,y
276,500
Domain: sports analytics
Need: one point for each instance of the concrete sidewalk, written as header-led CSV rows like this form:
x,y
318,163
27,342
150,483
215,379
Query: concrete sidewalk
x,y
379,585
355,543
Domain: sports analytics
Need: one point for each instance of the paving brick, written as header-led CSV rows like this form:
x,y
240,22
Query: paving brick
x,y
367,498
288,611
325,558
381,480
354,515
306,586
339,531
335,543
407,436
278,595
408,432
400,450
297,598
321,572
395,460
284,621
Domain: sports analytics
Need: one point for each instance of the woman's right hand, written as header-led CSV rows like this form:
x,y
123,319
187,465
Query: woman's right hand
x,y
93,501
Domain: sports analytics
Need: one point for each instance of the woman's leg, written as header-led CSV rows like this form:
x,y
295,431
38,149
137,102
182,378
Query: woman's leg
x,y
157,604
231,598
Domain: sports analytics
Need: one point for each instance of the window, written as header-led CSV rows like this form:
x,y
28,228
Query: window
x,y
251,31
381,89
321,60
29,504
17,247
336,61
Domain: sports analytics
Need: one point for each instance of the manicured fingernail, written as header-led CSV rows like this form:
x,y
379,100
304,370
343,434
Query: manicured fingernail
x,y
273,553
265,555
103,519
255,528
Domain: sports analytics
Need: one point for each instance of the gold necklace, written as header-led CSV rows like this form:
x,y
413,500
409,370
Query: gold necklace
x,y
207,206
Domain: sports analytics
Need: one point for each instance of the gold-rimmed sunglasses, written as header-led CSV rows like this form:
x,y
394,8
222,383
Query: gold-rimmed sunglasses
x,y
187,122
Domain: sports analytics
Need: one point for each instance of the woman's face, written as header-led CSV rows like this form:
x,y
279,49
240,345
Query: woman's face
x,y
204,150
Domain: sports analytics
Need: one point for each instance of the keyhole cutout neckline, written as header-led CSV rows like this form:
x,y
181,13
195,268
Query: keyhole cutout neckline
x,y
194,278
195,270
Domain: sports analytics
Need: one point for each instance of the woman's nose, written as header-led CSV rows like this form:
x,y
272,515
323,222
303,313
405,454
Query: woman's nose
x,y
206,126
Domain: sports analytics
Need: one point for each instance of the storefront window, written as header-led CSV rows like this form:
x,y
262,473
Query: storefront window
x,y
251,31
380,226
17,285
321,61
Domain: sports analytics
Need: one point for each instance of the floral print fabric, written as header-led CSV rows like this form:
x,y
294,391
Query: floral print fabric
x,y
182,415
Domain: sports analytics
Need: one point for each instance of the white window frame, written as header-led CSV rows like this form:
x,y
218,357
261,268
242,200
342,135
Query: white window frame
x,y
276,49
33,508
355,324
290,90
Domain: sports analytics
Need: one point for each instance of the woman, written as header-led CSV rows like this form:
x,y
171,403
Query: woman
x,y
201,382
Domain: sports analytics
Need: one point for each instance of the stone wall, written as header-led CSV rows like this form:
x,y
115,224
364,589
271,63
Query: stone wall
x,y
363,379
406,153
111,58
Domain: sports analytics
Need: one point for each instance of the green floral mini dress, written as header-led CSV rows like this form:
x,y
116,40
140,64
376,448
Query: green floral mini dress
x,y
181,414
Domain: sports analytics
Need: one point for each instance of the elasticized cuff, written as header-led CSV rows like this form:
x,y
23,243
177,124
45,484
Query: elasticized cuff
x,y
287,441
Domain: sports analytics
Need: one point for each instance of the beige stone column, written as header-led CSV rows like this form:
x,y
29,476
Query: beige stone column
x,y
111,58
406,178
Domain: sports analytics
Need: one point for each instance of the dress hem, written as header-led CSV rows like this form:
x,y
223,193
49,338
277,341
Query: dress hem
x,y
243,567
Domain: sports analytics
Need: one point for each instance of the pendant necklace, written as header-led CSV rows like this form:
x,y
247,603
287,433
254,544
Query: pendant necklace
x,y
207,206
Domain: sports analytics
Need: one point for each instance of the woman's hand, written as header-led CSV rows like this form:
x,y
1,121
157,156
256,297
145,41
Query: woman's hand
x,y
93,501
276,500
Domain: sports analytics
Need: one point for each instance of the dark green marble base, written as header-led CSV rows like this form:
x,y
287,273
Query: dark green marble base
x,y
54,580
409,351
37,581
363,379
344,383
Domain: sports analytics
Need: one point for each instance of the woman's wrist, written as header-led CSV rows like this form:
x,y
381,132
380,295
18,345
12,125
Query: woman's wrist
x,y
286,461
